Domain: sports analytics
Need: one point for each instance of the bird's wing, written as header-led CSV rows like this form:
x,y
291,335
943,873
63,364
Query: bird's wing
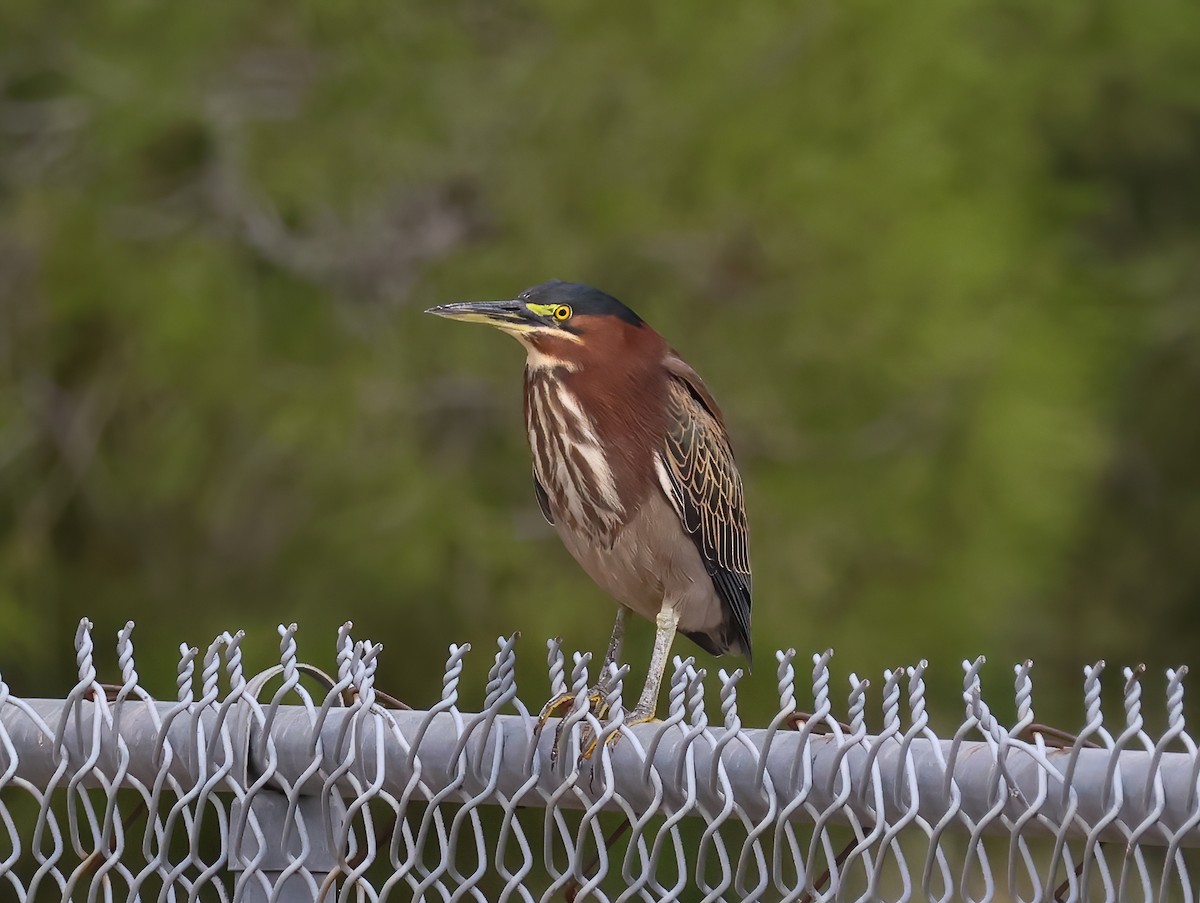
x,y
543,500
703,485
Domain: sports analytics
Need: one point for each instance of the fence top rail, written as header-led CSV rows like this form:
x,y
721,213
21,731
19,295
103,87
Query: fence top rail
x,y
229,739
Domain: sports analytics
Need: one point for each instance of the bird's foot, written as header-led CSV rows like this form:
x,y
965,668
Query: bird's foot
x,y
588,743
555,708
641,715
559,706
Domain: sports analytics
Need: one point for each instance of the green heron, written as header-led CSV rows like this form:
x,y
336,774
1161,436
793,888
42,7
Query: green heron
x,y
633,468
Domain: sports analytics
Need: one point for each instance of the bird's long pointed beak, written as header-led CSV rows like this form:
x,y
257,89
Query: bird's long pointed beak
x,y
511,316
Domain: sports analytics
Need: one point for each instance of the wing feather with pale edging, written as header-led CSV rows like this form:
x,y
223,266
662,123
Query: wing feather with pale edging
x,y
705,490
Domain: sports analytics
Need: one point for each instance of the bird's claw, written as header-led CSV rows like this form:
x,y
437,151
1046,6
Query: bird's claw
x,y
587,744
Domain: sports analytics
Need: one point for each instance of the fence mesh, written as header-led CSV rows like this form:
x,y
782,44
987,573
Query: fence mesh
x,y
259,788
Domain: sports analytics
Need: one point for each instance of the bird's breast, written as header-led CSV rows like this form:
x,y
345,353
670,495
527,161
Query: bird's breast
x,y
571,461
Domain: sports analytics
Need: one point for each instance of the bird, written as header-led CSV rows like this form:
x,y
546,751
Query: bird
x,y
633,468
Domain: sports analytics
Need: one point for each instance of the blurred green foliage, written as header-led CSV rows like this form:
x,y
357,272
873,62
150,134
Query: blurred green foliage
x,y
941,266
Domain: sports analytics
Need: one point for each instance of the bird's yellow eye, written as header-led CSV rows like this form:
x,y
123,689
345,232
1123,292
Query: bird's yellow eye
x,y
562,312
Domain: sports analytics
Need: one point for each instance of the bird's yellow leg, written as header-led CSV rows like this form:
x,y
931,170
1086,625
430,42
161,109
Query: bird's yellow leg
x,y
666,622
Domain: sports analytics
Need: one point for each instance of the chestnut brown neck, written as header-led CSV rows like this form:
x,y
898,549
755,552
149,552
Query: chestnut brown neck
x,y
615,371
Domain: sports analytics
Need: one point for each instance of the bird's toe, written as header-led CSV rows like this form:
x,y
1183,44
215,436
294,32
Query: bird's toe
x,y
642,716
555,708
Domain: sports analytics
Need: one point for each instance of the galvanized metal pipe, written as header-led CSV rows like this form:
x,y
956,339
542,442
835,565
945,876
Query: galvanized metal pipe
x,y
918,775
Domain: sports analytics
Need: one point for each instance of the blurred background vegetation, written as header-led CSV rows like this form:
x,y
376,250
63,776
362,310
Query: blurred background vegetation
x,y
941,266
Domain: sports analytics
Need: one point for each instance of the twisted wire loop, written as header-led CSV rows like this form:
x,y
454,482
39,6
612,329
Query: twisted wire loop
x,y
293,784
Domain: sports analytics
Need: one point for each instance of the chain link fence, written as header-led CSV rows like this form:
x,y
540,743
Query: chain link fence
x,y
260,788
